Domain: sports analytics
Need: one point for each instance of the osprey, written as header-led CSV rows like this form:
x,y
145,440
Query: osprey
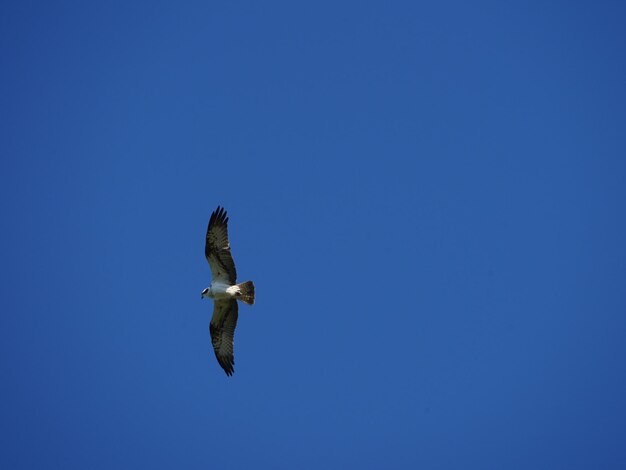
x,y
224,290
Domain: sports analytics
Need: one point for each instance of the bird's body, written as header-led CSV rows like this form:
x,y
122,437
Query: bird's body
x,y
221,290
224,290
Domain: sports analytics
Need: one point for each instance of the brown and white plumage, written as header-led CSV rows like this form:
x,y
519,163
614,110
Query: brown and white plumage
x,y
223,290
217,248
222,329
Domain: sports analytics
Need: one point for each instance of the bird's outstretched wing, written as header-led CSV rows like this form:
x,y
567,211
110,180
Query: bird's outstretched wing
x,y
217,248
222,329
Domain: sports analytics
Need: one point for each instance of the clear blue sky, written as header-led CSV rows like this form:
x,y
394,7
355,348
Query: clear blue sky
x,y
429,196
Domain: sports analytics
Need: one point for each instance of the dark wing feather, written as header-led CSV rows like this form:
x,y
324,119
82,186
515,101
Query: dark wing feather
x,y
222,329
217,248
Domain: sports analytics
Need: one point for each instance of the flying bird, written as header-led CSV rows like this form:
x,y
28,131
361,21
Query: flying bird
x,y
224,290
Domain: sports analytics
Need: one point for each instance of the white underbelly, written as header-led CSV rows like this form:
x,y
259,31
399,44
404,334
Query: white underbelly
x,y
223,291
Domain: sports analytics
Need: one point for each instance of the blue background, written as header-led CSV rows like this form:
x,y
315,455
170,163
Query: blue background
x,y
430,198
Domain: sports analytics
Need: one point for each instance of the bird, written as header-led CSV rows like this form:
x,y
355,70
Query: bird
x,y
224,290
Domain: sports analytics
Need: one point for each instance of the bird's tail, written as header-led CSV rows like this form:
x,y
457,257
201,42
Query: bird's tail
x,y
246,292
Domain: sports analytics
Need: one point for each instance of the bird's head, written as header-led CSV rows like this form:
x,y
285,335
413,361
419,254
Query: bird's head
x,y
205,293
